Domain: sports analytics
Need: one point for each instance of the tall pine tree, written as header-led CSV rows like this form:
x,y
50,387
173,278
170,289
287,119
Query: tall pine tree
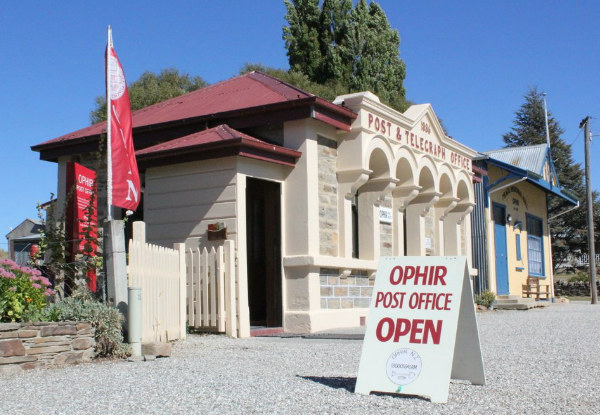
x,y
336,44
568,231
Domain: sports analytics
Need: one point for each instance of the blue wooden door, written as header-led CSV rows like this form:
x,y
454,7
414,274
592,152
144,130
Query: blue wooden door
x,y
500,249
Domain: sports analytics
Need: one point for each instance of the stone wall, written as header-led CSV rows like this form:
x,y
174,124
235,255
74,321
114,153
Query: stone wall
x,y
328,203
345,291
573,289
38,345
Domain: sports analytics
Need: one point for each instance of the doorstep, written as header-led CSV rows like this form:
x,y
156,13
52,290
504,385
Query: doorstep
x,y
259,331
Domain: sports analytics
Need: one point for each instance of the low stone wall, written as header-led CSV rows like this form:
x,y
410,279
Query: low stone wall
x,y
345,291
37,345
573,289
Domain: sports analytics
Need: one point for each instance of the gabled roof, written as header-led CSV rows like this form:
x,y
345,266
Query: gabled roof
x,y
220,141
528,162
532,158
28,227
253,92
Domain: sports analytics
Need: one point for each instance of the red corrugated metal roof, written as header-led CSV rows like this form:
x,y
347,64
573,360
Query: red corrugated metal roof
x,y
253,89
220,141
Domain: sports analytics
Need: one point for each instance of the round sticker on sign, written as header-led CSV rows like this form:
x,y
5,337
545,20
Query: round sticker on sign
x,y
403,366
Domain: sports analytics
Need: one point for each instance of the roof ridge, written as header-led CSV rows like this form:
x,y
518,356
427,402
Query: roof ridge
x,y
514,148
204,88
279,81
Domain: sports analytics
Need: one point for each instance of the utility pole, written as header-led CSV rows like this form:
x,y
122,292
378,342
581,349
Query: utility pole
x,y
590,209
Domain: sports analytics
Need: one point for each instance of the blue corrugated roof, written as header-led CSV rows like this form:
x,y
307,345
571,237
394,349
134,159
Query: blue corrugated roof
x,y
532,158
532,177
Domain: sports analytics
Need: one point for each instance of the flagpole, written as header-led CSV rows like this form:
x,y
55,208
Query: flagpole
x,y
108,132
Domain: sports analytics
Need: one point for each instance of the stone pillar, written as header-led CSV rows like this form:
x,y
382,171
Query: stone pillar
x,y
349,182
452,223
442,208
402,196
415,222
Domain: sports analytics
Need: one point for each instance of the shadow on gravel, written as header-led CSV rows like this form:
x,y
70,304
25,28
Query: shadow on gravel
x,y
333,382
350,383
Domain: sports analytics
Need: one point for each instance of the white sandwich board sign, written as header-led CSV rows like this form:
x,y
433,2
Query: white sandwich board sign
x,y
421,329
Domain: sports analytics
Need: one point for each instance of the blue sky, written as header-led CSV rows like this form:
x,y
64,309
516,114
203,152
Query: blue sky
x,y
472,60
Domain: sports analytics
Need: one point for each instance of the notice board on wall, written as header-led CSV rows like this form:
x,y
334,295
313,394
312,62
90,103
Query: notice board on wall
x,y
421,330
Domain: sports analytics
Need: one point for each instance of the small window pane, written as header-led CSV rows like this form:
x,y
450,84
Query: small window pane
x,y
535,248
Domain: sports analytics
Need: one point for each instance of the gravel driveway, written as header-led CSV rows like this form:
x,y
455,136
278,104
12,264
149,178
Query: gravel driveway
x,y
537,361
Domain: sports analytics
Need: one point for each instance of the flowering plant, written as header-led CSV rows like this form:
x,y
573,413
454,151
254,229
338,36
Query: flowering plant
x,y
23,291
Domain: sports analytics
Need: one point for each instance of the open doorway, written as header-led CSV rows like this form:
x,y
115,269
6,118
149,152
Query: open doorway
x,y
263,236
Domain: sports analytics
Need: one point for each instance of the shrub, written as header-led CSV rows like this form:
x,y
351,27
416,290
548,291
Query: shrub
x,y
580,277
23,292
485,299
105,319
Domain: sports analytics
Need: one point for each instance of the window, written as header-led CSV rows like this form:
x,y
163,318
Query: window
x,y
535,247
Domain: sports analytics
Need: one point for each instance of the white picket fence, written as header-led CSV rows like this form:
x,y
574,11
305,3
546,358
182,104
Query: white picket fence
x,y
198,288
160,273
213,291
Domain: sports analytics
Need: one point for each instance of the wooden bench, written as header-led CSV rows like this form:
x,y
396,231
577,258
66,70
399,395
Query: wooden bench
x,y
536,290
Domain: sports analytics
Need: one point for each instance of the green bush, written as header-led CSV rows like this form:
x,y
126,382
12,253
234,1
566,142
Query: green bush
x,y
105,319
580,277
485,299
23,292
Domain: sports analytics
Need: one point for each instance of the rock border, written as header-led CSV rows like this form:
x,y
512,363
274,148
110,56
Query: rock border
x,y
37,345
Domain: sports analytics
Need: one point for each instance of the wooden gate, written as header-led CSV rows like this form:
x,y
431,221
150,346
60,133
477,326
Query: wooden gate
x,y
160,273
213,291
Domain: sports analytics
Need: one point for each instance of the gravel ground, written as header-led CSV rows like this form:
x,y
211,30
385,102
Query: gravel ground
x,y
537,361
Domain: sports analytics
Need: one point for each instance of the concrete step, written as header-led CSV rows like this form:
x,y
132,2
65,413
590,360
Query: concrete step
x,y
514,302
259,331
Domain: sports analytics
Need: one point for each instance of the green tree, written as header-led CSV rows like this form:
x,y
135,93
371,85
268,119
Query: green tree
x,y
353,47
151,88
568,232
328,90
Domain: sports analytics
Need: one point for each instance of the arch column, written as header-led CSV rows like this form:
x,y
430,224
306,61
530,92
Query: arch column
x,y
442,208
415,221
370,196
452,224
402,196
349,181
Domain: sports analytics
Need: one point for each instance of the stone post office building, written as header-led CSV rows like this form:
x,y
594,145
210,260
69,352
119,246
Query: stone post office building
x,y
312,192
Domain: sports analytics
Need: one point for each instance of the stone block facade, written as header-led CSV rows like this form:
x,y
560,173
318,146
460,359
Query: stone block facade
x,y
38,345
328,199
340,291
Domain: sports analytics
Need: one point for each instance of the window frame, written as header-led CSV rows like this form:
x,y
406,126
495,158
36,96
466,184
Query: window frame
x,y
537,239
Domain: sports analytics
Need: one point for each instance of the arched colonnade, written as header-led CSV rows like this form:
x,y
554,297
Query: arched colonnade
x,y
429,200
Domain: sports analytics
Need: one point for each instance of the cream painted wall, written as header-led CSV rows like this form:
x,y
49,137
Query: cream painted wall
x,y
181,200
519,200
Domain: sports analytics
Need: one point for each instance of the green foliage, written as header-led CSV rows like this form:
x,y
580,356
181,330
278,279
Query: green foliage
x,y
106,320
353,47
568,232
3,254
328,91
23,292
485,299
580,277
151,88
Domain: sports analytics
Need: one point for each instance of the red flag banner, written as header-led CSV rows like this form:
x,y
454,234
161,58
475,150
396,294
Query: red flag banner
x,y
125,175
81,215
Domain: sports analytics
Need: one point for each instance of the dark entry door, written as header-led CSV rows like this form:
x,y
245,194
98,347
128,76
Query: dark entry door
x,y
263,235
